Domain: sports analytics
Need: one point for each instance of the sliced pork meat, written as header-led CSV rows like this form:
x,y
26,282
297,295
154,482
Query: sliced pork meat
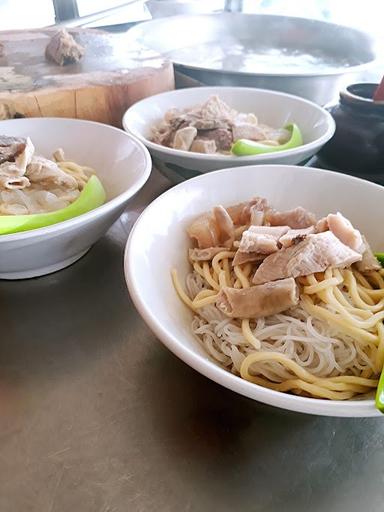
x,y
11,148
293,236
225,227
256,216
46,172
241,258
63,49
214,229
258,301
184,138
205,254
314,254
241,213
275,231
251,131
258,242
203,146
345,232
297,218
321,225
222,136
369,261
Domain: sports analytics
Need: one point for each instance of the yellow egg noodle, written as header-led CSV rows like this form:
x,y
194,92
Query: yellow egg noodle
x,y
342,310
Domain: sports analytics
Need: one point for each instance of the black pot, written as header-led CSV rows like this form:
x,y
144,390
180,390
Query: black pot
x,y
358,143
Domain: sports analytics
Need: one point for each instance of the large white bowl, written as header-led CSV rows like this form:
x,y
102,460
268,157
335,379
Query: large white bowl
x,y
158,242
123,165
271,107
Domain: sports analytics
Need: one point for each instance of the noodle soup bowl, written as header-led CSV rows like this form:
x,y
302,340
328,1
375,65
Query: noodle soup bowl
x,y
158,243
122,164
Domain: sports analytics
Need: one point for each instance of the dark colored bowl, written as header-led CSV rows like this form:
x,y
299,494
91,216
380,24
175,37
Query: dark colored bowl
x,y
358,143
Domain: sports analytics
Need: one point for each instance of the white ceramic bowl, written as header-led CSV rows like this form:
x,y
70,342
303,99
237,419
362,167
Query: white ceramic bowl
x,y
123,165
158,242
271,107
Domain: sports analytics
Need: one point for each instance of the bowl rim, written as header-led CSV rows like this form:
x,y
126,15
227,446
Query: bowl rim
x,y
100,210
330,123
133,32
210,369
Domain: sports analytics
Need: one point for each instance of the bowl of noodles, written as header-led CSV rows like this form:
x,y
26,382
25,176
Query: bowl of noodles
x,y
63,182
265,280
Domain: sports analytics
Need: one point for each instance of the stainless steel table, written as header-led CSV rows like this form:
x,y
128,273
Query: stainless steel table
x,y
96,416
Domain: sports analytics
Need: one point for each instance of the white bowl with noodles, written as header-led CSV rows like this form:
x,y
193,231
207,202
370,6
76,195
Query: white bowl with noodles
x,y
158,243
270,107
122,164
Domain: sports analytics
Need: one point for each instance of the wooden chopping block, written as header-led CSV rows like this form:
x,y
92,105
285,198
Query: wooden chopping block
x,y
112,75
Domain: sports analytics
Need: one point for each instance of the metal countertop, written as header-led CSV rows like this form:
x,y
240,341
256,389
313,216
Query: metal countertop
x,y
97,416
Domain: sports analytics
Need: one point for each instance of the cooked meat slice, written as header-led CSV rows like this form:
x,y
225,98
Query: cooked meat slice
x,y
204,231
214,229
292,236
11,147
258,242
215,108
321,225
249,131
276,231
369,261
184,137
345,232
48,173
314,254
225,227
258,301
203,146
63,49
205,254
241,213
241,258
222,137
242,117
256,217
12,183
296,219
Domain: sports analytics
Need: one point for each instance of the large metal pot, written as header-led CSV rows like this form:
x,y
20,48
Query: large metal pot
x,y
310,58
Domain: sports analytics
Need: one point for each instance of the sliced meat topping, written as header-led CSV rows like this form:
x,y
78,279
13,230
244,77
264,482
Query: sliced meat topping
x,y
11,147
222,137
369,261
258,301
294,236
345,232
314,254
275,231
184,138
241,213
203,146
258,242
63,49
296,219
46,172
214,229
225,227
251,131
257,216
241,258
321,225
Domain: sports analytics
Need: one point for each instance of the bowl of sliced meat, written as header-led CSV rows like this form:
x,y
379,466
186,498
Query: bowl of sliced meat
x,y
267,279
202,129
